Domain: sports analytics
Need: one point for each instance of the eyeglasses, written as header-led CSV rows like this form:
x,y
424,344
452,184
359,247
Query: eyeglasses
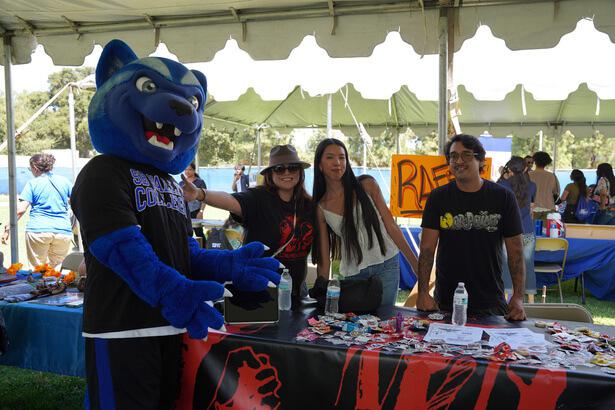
x,y
280,169
466,156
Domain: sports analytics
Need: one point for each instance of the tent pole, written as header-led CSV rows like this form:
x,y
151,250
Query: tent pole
x,y
10,136
443,79
258,152
71,121
329,116
554,148
73,146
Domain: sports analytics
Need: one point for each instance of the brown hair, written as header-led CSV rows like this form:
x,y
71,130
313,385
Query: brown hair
x,y
299,193
42,162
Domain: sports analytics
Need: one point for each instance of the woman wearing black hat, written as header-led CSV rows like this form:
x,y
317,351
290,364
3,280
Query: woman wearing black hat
x,y
278,213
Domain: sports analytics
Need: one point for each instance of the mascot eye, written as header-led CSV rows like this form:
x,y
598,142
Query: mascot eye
x,y
146,85
194,101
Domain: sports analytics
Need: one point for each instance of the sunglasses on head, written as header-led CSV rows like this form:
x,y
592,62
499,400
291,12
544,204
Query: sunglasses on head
x,y
280,169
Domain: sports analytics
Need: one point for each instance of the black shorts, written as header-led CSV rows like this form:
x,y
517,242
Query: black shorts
x,y
135,373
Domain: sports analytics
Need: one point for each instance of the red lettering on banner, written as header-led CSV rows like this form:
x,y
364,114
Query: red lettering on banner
x,y
456,378
415,380
491,373
367,385
543,390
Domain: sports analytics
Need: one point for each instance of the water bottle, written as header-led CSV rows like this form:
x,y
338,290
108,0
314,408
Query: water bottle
x,y
284,291
333,297
460,305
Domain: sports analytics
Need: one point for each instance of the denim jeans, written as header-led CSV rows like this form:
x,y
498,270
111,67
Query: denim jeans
x,y
604,218
388,273
529,245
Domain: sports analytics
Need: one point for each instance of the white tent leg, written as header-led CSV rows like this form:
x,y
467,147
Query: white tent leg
x,y
442,83
10,135
329,116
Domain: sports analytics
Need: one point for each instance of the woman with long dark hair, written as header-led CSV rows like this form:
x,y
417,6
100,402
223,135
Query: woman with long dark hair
x,y
525,191
278,213
354,224
605,188
572,193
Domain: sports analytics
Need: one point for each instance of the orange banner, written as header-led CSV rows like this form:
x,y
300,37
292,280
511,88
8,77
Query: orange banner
x,y
414,176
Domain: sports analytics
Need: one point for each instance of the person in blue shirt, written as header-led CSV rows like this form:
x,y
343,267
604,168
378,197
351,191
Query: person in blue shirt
x,y
525,192
48,232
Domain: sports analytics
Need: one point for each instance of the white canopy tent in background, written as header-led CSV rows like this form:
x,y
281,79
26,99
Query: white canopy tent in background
x,y
269,29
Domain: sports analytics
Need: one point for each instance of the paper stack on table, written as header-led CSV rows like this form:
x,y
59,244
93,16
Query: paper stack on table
x,y
516,337
453,334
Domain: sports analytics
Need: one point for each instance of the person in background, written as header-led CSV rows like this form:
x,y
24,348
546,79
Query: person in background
x,y
195,207
605,189
241,181
547,185
504,173
529,163
525,191
468,221
278,213
48,232
572,193
354,222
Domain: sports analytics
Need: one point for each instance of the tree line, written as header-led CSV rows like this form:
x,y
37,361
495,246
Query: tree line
x,y
222,145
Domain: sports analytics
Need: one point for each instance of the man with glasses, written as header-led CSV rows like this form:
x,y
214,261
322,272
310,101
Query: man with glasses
x,y
467,220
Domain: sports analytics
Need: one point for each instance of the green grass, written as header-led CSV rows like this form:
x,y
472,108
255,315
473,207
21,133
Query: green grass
x,y
26,389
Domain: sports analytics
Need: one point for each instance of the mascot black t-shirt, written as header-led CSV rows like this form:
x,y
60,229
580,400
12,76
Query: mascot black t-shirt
x,y
111,194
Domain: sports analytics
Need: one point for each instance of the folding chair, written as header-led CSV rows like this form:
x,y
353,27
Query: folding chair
x,y
558,311
72,261
552,244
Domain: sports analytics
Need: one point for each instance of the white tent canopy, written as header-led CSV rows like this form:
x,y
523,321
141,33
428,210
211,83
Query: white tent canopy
x,y
270,29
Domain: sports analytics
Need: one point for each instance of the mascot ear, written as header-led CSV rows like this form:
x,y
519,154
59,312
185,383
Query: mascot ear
x,y
201,77
115,55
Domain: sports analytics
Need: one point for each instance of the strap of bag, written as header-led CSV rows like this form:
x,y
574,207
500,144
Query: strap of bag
x,y
276,253
58,191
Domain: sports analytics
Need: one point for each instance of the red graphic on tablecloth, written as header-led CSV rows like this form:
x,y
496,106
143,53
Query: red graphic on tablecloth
x,y
248,381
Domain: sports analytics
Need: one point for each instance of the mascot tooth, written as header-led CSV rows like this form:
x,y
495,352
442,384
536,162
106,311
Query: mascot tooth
x,y
148,280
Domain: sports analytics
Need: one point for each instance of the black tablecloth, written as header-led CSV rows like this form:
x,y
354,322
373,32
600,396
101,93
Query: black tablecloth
x,y
264,367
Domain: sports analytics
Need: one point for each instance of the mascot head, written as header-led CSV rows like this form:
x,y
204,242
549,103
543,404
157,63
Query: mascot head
x,y
148,110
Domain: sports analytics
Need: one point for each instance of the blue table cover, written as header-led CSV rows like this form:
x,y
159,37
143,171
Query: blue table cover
x,y
407,276
45,338
594,257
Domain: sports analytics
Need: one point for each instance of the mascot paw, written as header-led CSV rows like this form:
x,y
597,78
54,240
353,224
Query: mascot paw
x,y
186,306
250,271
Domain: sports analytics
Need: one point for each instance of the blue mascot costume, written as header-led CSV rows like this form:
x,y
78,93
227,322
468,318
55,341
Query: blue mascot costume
x,y
148,280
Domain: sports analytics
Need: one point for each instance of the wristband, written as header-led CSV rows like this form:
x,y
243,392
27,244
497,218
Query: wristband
x,y
204,195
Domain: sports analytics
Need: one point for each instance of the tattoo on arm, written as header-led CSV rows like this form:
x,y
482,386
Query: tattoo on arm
x,y
516,264
425,265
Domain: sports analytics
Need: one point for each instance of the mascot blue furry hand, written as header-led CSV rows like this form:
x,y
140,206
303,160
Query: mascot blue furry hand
x,y
147,276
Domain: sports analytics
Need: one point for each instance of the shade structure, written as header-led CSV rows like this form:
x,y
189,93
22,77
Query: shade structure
x,y
299,110
270,29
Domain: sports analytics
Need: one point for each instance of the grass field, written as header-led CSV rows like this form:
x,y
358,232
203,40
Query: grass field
x,y
33,390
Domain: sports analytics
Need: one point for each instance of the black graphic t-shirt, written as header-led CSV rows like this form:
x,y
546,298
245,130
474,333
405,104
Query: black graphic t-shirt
x,y
472,228
111,193
268,219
